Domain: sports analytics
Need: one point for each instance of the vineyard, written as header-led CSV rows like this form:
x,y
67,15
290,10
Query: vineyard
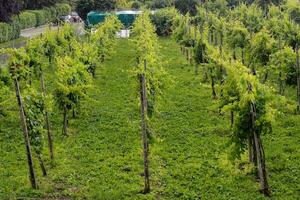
x,y
210,111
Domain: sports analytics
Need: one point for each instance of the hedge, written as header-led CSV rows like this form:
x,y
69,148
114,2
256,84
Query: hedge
x,y
62,9
9,32
42,17
26,19
31,18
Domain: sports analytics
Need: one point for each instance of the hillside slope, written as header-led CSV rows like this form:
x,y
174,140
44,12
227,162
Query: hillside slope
x,y
102,159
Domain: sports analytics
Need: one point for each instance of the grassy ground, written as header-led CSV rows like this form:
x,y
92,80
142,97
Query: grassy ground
x,y
102,159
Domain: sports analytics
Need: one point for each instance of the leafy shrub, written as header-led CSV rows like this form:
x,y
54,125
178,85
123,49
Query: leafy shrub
x,y
4,29
62,9
52,13
26,19
9,31
163,21
31,18
42,16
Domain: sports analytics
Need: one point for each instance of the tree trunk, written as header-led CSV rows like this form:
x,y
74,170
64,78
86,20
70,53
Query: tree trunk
x,y
214,94
196,69
74,113
243,56
251,148
32,176
260,156
298,77
280,84
65,122
216,38
231,118
48,126
143,98
191,55
187,54
205,76
221,44
102,58
201,34
234,54
43,168
266,77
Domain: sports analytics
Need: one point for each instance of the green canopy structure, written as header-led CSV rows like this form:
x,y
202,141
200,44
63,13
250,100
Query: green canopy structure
x,y
94,18
126,17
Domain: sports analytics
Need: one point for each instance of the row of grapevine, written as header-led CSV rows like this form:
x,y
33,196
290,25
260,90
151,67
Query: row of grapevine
x,y
238,54
151,78
72,61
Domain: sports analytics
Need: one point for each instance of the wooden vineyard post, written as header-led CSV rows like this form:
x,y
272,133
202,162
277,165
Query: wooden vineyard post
x,y
143,97
191,57
298,78
231,118
260,156
42,165
187,53
214,94
50,141
251,145
65,122
32,176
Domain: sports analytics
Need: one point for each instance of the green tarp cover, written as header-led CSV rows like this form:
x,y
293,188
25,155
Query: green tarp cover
x,y
126,17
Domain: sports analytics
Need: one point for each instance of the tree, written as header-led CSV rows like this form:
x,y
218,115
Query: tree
x,y
157,4
200,55
83,7
261,47
219,7
238,38
150,76
8,8
104,38
18,67
251,16
104,5
89,58
163,20
37,4
186,6
34,112
250,100
37,64
283,64
72,82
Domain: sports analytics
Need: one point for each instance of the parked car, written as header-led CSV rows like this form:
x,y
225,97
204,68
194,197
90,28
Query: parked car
x,y
66,18
75,17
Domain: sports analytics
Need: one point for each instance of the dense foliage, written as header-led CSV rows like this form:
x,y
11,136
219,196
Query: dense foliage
x,y
206,137
163,20
83,7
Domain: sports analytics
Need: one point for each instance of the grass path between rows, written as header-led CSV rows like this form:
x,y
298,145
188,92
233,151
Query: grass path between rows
x,y
102,157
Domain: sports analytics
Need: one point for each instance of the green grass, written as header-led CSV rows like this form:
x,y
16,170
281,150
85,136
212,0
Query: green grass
x,y
102,159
